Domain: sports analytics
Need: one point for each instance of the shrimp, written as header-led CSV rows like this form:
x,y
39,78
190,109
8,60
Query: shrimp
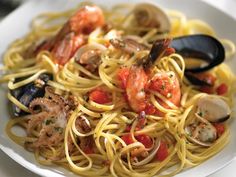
x,y
139,80
135,88
72,35
167,84
138,84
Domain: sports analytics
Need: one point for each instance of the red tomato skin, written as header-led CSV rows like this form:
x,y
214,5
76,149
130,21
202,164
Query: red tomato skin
x,y
222,89
145,140
152,110
127,139
220,128
99,96
162,152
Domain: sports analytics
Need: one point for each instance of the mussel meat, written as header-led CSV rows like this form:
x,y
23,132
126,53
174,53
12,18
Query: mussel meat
x,y
27,93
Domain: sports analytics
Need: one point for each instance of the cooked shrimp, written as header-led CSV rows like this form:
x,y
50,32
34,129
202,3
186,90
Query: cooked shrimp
x,y
72,35
167,84
136,82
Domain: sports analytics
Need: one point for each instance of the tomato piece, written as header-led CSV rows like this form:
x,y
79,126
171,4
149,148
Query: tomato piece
x,y
152,110
100,96
222,89
207,89
127,139
162,152
145,140
122,75
220,128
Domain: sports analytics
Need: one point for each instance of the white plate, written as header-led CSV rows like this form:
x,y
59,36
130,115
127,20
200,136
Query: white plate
x,y
17,24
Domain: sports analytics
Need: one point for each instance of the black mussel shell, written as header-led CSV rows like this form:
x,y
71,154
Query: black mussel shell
x,y
203,47
195,80
28,92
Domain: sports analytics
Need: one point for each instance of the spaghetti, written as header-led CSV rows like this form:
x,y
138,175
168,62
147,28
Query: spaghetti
x,y
102,113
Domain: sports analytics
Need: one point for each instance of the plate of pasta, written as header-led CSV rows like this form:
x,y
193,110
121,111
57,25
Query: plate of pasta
x,y
117,89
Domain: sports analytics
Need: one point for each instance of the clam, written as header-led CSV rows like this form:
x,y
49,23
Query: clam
x,y
201,132
213,109
149,15
90,56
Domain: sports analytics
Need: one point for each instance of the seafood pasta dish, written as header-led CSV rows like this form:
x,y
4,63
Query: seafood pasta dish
x,y
134,90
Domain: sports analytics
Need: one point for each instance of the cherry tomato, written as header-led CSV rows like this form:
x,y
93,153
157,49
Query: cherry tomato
x,y
222,89
100,96
162,152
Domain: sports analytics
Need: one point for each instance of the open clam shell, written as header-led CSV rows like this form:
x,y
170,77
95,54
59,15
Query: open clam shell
x,y
213,108
150,15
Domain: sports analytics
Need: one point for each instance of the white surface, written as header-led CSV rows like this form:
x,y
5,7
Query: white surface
x,y
9,168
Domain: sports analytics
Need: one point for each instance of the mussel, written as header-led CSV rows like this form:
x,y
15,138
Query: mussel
x,y
200,46
28,92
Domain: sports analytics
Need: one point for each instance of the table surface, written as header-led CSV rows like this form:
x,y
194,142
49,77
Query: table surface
x,y
9,168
